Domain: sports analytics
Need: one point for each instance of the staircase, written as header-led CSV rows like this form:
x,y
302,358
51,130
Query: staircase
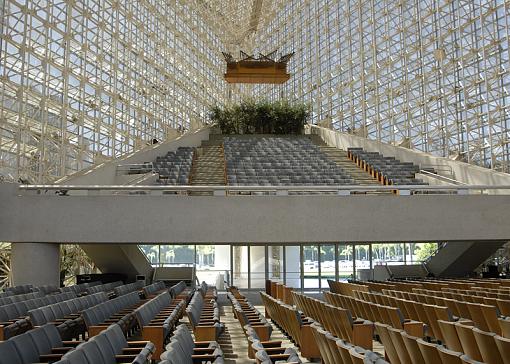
x,y
209,167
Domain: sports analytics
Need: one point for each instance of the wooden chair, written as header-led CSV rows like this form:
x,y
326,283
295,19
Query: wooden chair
x,y
449,332
449,356
505,328
411,345
468,341
487,346
503,345
429,352
398,343
389,349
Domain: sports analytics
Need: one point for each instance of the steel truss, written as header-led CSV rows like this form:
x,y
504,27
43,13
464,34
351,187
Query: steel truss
x,y
82,82
427,74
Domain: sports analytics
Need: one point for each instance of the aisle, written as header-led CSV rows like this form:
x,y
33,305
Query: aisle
x,y
233,342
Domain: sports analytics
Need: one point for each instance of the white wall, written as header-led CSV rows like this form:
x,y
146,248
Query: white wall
x,y
463,172
104,173
257,219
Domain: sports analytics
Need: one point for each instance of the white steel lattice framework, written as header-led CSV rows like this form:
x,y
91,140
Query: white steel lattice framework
x,y
85,81
427,74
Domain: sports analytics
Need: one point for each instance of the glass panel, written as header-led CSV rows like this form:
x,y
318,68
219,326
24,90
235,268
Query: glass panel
x,y
275,255
213,263
391,254
293,266
177,255
345,265
363,262
258,266
311,266
327,264
240,268
419,252
152,253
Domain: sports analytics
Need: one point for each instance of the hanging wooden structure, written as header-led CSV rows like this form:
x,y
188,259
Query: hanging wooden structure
x,y
264,69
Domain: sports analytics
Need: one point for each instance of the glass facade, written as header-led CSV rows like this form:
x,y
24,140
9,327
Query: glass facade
x,y
306,266
87,81
82,82
430,74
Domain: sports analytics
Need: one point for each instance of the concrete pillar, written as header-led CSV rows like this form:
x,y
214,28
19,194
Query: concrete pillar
x,y
35,263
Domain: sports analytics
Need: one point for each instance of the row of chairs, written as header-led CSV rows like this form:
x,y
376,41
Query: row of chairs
x,y
180,290
250,319
204,315
17,290
377,312
402,348
471,296
175,167
81,288
334,350
66,314
118,310
293,323
387,170
415,310
182,349
128,288
14,317
337,320
20,297
39,345
478,344
280,161
110,347
157,318
152,290
107,287
485,316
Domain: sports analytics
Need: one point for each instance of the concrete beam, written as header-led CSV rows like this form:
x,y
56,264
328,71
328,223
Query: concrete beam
x,y
35,263
253,219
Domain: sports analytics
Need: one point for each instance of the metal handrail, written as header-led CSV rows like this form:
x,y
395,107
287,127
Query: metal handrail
x,y
373,188
443,178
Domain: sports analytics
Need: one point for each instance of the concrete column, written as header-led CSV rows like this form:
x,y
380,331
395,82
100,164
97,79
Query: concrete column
x,y
35,263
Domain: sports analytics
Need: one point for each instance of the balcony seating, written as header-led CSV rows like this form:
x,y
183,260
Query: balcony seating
x,y
293,323
174,168
157,318
387,170
204,315
182,349
66,314
13,317
128,288
279,161
118,310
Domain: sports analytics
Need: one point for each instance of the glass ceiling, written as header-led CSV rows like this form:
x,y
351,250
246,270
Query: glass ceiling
x,y
86,81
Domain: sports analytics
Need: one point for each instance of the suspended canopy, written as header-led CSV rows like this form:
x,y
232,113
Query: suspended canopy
x,y
264,69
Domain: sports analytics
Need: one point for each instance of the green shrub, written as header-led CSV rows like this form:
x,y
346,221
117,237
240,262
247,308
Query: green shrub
x,y
261,117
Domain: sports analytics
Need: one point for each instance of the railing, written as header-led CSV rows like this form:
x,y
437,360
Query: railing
x,y
123,169
439,168
442,178
341,190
